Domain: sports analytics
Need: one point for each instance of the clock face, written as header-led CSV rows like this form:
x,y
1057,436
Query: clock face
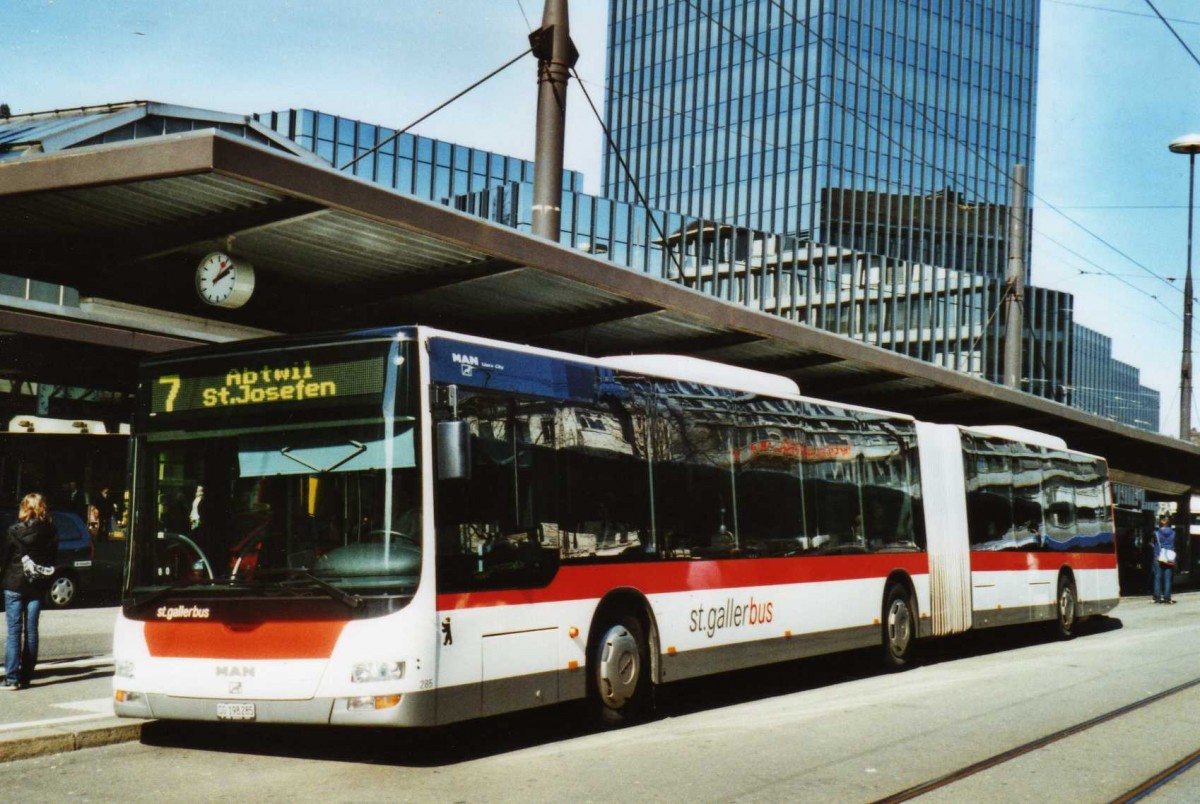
x,y
223,281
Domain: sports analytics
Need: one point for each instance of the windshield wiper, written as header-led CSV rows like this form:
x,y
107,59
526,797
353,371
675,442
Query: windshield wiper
x,y
207,585
359,449
350,599
157,594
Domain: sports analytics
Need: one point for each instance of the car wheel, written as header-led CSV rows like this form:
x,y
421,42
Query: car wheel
x,y
63,591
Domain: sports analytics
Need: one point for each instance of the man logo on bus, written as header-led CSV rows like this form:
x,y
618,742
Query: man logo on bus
x,y
466,363
447,636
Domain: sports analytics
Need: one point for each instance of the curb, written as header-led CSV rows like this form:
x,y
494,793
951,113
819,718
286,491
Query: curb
x,y
39,742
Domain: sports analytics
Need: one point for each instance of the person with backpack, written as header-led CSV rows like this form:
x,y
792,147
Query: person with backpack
x,y
1164,560
28,555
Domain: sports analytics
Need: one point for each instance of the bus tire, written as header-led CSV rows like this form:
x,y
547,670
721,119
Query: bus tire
x,y
1066,609
621,671
899,627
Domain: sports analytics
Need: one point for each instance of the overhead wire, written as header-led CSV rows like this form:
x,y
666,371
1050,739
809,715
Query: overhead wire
x,y
528,24
948,174
1173,32
629,174
436,109
1044,201
985,159
857,115
1094,264
632,178
1126,12
919,160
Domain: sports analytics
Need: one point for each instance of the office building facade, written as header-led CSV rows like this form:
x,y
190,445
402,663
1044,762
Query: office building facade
x,y
422,166
874,141
911,114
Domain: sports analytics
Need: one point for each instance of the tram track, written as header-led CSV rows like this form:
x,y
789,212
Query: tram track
x,y
1135,794
1159,779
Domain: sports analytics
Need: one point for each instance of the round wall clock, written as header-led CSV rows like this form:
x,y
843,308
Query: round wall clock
x,y
223,281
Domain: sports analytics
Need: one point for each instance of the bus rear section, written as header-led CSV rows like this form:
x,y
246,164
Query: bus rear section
x,y
1038,523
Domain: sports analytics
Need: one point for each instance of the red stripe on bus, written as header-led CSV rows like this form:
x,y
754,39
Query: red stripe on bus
x,y
592,581
269,640
1016,560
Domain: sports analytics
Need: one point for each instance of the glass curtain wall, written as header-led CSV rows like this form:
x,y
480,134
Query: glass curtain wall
x,y
874,140
414,165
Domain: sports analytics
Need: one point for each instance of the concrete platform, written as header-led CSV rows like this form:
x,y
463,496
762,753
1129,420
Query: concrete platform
x,y
67,708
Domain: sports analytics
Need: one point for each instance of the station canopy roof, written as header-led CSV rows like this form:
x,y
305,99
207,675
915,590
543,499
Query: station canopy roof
x,y
127,223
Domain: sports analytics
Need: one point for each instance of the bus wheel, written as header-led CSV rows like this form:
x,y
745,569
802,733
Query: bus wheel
x,y
1066,617
621,671
899,628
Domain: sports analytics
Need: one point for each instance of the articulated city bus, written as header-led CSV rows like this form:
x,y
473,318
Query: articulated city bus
x,y
410,527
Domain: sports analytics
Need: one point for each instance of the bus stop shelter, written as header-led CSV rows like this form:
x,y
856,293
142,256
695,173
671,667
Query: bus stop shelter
x,y
126,224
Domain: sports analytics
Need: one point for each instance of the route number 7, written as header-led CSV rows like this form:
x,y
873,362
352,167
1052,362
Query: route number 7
x,y
173,382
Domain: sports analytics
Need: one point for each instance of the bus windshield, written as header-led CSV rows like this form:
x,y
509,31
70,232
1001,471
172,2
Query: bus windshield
x,y
251,507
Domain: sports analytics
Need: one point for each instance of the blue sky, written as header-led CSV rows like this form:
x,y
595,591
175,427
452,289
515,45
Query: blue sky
x,y
1115,87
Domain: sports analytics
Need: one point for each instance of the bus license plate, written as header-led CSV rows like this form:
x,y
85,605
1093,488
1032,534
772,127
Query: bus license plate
x,y
235,711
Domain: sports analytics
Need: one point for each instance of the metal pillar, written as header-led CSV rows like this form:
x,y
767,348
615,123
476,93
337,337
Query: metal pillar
x,y
1185,368
1014,288
556,56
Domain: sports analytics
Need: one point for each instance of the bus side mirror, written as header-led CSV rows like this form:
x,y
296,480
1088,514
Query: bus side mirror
x,y
453,450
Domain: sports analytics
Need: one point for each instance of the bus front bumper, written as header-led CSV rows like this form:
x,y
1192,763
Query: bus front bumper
x,y
409,709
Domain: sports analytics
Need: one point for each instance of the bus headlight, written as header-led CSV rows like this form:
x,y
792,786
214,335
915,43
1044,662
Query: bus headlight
x,y
377,671
373,702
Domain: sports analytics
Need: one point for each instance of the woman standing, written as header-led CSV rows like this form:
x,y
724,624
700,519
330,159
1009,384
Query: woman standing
x,y
1164,560
30,549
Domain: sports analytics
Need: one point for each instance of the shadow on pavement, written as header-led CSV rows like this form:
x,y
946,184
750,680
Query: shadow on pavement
x,y
499,735
51,677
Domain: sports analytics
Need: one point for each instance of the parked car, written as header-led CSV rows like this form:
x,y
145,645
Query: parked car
x,y
76,555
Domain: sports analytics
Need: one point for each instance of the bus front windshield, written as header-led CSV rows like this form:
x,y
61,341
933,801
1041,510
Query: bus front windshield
x,y
339,505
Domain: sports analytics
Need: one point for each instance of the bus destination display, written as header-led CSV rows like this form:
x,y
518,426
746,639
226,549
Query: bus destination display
x,y
297,383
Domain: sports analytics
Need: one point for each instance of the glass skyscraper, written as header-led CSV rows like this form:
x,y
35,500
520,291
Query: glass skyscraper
x,y
853,162
887,126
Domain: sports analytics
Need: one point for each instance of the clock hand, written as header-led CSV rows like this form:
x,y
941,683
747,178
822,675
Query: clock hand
x,y
222,273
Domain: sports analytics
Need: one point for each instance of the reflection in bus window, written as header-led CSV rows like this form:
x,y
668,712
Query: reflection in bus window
x,y
1026,497
665,469
314,500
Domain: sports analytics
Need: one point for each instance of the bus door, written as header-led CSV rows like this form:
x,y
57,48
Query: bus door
x,y
942,482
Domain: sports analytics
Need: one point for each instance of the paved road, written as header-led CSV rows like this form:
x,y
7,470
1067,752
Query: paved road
x,y
74,674
833,729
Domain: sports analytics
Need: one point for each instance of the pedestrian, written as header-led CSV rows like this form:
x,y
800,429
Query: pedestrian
x,y
106,511
30,549
1164,560
197,508
76,500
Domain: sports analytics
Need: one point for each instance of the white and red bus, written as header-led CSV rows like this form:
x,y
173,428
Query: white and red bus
x,y
410,527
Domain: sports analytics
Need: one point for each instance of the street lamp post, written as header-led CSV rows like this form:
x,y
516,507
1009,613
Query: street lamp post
x,y
1187,144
